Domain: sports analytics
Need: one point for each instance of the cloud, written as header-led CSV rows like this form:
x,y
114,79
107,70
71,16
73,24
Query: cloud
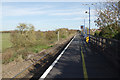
x,y
58,0
81,18
76,18
23,10
15,11
67,13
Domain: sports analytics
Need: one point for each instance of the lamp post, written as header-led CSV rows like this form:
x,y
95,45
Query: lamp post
x,y
84,23
89,23
89,19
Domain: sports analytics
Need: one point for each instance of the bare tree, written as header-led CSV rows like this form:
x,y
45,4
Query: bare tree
x,y
109,14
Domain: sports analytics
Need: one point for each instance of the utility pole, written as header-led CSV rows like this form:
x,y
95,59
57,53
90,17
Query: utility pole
x,y
89,18
84,22
58,35
84,29
89,24
84,26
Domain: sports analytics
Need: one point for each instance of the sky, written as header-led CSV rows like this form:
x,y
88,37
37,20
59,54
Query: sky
x,y
47,15
58,0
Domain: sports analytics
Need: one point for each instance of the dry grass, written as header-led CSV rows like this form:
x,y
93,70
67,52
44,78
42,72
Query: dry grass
x,y
7,56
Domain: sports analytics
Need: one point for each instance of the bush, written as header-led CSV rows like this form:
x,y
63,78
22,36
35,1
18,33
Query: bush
x,y
96,33
110,31
25,40
51,35
24,36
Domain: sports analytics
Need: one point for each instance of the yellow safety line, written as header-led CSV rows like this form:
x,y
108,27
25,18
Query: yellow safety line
x,y
84,66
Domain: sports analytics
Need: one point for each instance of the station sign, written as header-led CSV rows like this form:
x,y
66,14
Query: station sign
x,y
81,27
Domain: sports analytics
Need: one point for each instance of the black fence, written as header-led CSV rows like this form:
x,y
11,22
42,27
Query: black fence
x,y
108,47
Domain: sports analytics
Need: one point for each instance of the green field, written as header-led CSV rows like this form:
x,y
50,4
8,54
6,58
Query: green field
x,y
6,41
7,44
33,43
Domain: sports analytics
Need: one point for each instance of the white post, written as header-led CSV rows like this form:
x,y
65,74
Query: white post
x,y
58,35
66,34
